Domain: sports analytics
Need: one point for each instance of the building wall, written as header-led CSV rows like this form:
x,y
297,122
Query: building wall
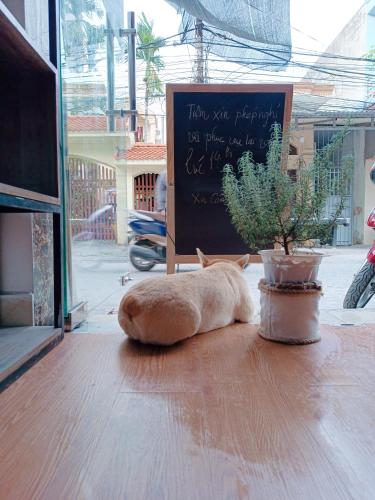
x,y
361,147
99,147
369,234
302,138
125,173
369,204
358,211
135,168
356,38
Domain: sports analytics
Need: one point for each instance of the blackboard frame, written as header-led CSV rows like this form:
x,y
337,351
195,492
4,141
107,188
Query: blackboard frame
x,y
171,89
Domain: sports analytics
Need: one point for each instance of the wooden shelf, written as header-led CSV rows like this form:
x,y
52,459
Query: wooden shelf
x,y
16,44
19,344
29,168
28,124
22,194
9,203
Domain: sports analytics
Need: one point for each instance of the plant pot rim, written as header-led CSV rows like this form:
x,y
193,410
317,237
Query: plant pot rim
x,y
295,254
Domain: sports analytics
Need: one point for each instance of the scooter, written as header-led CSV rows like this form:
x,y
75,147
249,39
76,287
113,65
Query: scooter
x,y
148,245
362,288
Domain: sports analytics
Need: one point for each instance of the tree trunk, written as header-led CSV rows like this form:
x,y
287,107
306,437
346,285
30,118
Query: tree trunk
x,y
147,98
199,62
286,245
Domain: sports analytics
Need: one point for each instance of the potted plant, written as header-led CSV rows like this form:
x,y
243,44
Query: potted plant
x,y
267,206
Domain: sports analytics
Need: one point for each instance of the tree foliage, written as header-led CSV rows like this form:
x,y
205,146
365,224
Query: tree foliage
x,y
266,205
149,45
81,33
148,49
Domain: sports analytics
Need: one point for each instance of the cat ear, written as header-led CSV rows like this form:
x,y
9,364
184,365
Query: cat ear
x,y
243,261
202,258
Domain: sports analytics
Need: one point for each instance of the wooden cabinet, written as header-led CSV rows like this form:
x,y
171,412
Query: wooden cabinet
x,y
30,190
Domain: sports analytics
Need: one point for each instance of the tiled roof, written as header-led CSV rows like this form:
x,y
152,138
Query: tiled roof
x,y
91,123
142,151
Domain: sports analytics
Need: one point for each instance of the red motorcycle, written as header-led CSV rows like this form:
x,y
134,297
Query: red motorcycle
x,y
362,288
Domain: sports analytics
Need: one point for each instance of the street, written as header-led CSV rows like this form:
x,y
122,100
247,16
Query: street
x,y
99,266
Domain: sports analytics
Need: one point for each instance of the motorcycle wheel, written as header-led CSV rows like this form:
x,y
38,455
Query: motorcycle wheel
x,y
141,264
362,288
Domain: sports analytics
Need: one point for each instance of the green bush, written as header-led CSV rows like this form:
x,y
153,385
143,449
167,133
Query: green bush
x,y
266,205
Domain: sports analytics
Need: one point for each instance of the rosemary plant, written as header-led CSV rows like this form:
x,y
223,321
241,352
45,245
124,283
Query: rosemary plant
x,y
266,205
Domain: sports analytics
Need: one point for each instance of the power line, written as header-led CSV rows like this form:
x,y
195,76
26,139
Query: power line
x,y
157,44
301,51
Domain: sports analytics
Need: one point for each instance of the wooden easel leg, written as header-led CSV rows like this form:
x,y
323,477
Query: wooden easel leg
x,y
170,267
170,257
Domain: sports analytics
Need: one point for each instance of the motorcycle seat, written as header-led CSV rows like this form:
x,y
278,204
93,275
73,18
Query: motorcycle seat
x,y
159,216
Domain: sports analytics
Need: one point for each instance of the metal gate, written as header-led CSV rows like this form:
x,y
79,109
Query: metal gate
x,y
342,235
144,192
93,199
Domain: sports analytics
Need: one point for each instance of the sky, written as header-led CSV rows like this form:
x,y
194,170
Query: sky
x,y
315,23
320,19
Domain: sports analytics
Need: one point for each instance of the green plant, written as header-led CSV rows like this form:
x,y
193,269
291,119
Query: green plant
x,y
149,45
83,32
266,205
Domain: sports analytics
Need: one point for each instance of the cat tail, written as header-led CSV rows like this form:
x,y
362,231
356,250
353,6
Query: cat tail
x,y
131,307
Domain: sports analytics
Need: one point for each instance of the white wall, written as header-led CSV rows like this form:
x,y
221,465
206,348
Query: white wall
x,y
352,41
125,173
135,168
369,234
37,24
16,253
99,147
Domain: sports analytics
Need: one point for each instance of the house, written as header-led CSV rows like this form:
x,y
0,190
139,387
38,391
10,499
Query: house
x,y
136,173
118,162
351,81
343,63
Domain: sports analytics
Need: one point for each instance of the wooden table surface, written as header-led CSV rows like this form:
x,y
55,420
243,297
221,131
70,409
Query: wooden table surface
x,y
225,415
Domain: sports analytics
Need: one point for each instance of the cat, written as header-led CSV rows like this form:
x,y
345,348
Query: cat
x,y
171,308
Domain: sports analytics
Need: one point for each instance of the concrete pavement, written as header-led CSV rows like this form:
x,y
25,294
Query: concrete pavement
x,y
98,267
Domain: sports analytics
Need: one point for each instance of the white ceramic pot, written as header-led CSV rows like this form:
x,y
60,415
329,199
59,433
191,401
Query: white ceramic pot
x,y
299,266
276,321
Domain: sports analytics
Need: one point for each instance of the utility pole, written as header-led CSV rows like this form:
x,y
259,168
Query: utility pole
x,y
121,174
131,71
130,33
110,78
199,76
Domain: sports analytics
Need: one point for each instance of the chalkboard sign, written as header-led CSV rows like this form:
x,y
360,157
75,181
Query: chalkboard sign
x,y
209,126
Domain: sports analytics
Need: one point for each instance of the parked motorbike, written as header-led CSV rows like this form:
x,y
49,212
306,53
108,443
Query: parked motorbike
x,y
148,245
362,288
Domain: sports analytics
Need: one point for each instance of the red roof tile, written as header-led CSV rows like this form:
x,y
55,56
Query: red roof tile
x,y
91,123
142,151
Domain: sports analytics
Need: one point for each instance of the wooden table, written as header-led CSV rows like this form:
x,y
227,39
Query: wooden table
x,y
225,415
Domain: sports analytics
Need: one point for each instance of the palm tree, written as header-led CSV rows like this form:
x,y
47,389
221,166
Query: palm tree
x,y
80,36
149,45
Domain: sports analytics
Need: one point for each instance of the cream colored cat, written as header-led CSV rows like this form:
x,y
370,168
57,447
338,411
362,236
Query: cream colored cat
x,y
171,308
